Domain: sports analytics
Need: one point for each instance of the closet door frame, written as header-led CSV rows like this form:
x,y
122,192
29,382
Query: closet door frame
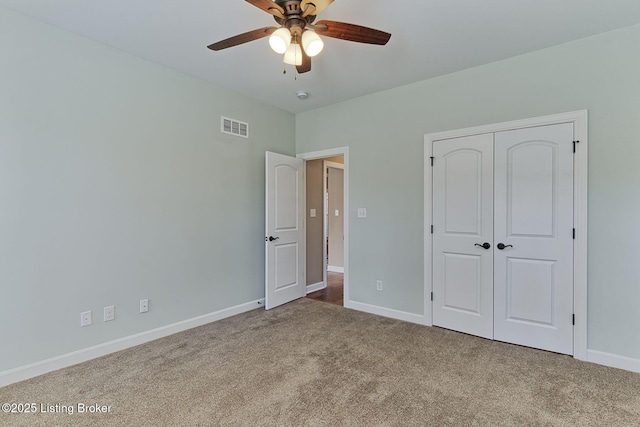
x,y
580,127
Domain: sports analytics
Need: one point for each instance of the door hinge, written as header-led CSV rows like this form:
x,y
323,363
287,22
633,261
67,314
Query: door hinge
x,y
431,296
575,143
431,228
573,319
574,234
432,159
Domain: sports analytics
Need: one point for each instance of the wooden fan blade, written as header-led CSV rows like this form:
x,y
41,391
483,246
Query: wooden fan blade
x,y
319,4
268,6
306,63
351,32
242,38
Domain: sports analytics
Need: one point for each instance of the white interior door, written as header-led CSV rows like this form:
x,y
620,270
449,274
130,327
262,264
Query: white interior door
x,y
514,191
463,223
534,219
285,250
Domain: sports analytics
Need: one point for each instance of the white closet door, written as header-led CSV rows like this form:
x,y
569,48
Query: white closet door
x,y
463,222
534,218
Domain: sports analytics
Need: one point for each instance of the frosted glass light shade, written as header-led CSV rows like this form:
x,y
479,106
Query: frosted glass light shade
x,y
293,55
280,40
312,43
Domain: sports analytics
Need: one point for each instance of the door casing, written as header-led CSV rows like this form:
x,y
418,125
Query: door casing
x,y
580,125
325,206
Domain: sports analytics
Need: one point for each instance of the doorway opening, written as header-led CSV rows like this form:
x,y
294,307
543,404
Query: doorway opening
x,y
326,224
325,229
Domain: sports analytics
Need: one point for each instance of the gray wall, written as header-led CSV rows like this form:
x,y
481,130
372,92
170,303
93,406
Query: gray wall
x,y
385,133
115,185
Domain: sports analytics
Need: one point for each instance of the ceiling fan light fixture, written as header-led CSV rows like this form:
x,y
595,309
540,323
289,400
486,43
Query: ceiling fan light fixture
x,y
293,55
296,37
312,43
280,40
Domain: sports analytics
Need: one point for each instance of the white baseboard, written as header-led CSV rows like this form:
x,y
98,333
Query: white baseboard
x,y
335,269
38,368
613,360
315,287
386,312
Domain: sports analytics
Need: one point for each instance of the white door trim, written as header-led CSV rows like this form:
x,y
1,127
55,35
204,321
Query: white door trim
x,y
332,152
580,126
328,164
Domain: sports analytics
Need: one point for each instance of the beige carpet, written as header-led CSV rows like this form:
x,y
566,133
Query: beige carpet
x,y
316,364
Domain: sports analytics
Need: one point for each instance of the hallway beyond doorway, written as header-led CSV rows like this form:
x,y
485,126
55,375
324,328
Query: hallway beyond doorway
x,y
333,293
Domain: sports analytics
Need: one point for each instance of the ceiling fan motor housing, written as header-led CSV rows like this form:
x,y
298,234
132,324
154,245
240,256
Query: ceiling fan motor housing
x,y
293,16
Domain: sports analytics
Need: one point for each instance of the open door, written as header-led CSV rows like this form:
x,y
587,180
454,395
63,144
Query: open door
x,y
284,241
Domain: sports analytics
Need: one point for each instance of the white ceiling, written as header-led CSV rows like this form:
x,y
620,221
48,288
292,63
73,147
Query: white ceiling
x,y
429,38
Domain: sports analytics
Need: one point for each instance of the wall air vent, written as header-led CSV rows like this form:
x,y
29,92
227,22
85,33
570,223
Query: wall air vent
x,y
234,127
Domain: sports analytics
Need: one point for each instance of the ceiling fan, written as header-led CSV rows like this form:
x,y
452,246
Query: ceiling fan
x,y
297,37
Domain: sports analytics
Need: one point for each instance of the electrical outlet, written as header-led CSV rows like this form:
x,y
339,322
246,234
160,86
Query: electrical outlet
x,y
109,313
379,285
144,305
85,318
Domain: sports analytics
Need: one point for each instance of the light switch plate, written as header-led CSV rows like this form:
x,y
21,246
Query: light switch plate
x,y
337,212
362,212
312,213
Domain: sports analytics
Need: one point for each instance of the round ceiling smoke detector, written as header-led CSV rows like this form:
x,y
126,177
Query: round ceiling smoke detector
x,y
302,94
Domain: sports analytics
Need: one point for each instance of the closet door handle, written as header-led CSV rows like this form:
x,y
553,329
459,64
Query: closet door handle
x,y
502,246
271,238
485,245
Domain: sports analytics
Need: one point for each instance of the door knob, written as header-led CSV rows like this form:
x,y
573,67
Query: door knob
x,y
271,238
485,245
501,246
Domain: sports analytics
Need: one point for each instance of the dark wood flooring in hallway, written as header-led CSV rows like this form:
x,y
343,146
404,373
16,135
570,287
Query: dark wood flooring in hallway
x,y
333,293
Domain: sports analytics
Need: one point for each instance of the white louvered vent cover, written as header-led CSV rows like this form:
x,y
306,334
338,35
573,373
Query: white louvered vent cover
x,y
235,127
